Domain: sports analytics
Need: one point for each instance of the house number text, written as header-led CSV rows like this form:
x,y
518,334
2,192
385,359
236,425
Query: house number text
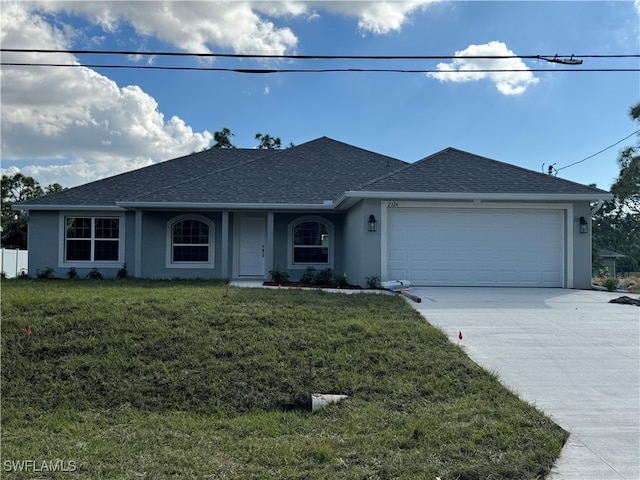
x,y
392,204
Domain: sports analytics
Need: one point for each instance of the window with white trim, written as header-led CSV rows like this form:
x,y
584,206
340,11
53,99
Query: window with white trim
x,y
190,241
92,239
310,242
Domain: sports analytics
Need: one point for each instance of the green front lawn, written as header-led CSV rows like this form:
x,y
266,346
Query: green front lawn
x,y
193,379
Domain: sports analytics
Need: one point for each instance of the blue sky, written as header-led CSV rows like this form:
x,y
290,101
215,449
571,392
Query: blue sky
x,y
74,125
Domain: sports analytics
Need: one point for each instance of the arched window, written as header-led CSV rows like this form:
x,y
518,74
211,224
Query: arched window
x,y
190,241
311,242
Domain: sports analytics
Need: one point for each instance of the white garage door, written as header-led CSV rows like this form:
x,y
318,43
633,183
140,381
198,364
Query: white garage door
x,y
475,247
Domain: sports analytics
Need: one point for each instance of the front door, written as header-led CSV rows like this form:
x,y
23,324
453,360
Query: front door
x,y
252,244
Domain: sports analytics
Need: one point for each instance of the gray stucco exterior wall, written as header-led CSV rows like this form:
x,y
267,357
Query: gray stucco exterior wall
x,y
362,248
43,242
581,246
355,251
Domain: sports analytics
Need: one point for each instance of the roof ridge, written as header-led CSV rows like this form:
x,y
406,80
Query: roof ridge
x,y
402,168
528,170
190,179
505,164
267,152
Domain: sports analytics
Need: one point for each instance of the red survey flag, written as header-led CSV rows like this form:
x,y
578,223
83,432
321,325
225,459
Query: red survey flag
x,y
460,335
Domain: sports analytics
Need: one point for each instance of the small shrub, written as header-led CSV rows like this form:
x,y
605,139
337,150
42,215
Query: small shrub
x,y
339,281
94,274
373,281
46,274
309,276
610,283
73,273
324,277
279,276
122,273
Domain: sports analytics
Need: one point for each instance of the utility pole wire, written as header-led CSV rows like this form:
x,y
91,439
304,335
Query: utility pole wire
x,y
307,57
319,70
597,153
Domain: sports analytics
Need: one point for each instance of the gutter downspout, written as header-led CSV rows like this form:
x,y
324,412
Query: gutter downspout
x,y
594,210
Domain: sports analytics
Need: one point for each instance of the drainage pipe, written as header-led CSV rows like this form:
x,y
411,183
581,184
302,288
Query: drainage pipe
x,y
594,210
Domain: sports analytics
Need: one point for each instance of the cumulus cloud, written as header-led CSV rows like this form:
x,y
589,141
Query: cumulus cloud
x,y
73,125
378,17
81,122
507,83
191,26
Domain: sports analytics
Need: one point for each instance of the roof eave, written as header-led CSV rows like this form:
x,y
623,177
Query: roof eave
x,y
224,206
106,208
349,197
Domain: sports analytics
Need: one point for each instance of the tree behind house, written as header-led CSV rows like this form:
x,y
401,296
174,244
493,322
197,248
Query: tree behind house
x,y
19,188
617,225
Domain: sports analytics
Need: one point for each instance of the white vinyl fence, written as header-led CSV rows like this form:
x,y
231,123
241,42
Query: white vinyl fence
x,y
13,262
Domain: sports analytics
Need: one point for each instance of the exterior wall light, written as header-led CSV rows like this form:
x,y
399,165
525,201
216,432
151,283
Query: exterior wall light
x,y
372,223
584,226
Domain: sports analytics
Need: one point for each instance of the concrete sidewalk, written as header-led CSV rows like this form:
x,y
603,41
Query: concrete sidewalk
x,y
569,352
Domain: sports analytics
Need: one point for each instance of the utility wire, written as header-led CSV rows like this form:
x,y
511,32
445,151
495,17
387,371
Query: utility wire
x,y
318,70
308,57
597,153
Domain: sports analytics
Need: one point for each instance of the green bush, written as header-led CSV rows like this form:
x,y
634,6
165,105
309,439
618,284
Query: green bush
x,y
72,273
94,274
373,281
610,283
310,276
46,274
339,280
279,276
324,277
122,273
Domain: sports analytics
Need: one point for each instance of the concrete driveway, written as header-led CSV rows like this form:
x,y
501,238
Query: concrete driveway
x,y
569,352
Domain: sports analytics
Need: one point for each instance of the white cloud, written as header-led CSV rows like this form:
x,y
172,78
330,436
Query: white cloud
x,y
73,125
191,26
507,83
67,116
377,17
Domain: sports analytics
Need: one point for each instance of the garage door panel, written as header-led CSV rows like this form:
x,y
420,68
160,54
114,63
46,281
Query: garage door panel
x,y
492,247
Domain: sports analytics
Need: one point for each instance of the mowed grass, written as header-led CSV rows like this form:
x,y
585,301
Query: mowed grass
x,y
141,379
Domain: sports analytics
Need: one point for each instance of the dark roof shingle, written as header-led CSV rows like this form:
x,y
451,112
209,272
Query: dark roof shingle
x,y
456,171
308,174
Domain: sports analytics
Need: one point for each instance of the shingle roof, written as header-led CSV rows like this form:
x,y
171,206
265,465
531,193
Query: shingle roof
x,y
107,191
456,171
308,174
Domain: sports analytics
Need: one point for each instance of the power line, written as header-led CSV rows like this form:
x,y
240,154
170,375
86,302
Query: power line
x,y
310,57
598,153
558,59
315,70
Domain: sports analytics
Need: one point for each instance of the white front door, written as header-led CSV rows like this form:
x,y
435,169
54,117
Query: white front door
x,y
252,240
